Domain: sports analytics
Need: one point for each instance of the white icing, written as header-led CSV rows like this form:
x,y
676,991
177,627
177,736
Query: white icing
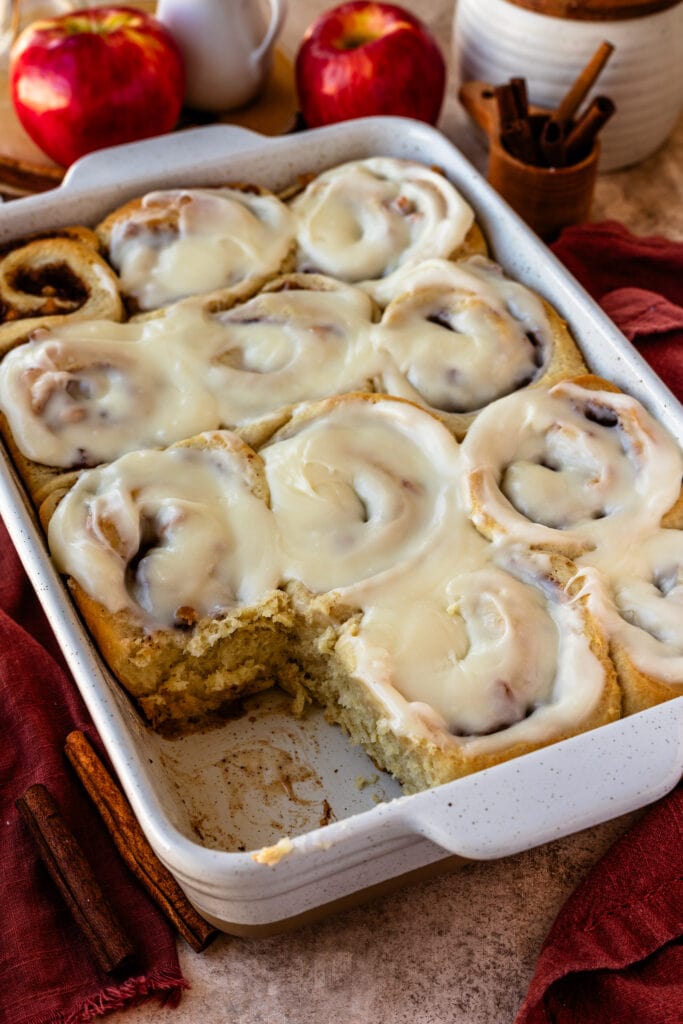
x,y
364,220
358,489
456,634
551,475
282,347
636,591
166,530
460,335
86,393
183,242
487,660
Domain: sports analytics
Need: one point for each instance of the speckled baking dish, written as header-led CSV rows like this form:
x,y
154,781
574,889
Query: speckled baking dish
x,y
210,801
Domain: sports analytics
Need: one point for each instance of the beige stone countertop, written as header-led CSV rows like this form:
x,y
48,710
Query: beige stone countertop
x,y
461,948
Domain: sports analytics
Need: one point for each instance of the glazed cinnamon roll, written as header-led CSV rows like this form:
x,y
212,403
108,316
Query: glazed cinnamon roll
x,y
302,337
364,220
170,244
480,667
460,335
337,561
568,468
636,592
51,281
358,485
167,553
86,393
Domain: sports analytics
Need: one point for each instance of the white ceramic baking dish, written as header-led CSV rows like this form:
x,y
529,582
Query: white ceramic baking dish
x,y
207,802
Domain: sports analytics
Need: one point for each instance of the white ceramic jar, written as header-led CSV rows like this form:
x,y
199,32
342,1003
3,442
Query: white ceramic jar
x,y
495,40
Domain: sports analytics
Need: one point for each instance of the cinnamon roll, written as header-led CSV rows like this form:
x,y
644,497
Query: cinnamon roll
x,y
51,281
636,592
171,244
460,335
86,393
338,561
358,486
362,221
169,555
302,337
568,468
483,666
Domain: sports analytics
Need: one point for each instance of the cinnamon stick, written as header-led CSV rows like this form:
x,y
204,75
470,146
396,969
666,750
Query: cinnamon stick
x,y
583,83
521,97
517,138
507,104
28,177
553,143
74,877
132,844
581,138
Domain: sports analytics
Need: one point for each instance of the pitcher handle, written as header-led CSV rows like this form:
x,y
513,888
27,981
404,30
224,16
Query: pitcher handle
x,y
277,17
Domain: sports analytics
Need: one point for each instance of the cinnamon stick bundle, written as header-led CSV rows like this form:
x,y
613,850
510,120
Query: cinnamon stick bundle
x,y
74,877
132,844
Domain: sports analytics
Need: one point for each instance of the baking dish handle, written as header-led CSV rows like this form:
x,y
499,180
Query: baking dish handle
x,y
153,157
553,792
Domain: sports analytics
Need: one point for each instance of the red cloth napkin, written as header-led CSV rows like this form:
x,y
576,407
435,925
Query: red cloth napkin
x,y
639,284
615,951
46,972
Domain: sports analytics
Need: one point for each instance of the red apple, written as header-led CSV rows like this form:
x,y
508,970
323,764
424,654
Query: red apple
x,y
95,78
365,58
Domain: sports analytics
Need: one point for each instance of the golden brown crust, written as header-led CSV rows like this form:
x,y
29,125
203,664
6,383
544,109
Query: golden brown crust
x,y
640,690
167,219
473,244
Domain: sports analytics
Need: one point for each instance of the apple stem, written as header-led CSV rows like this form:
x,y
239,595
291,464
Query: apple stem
x,y
354,42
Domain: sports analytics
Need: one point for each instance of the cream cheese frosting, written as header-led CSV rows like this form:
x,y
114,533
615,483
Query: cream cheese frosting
x,y
636,591
86,393
461,335
569,467
363,220
457,638
178,534
181,242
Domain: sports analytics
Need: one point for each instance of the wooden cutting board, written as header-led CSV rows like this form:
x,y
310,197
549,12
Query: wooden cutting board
x,y
24,169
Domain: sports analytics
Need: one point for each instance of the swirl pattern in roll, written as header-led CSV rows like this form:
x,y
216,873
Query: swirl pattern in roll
x,y
346,529
180,242
636,591
362,221
174,535
358,484
50,281
486,663
303,337
567,468
460,335
87,393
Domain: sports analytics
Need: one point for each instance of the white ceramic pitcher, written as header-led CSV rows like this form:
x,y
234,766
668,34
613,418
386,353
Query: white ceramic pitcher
x,y
226,46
